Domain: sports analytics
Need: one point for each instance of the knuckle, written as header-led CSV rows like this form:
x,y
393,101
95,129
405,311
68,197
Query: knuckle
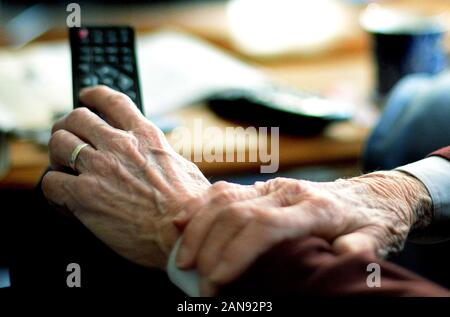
x,y
56,139
45,184
190,167
129,145
276,183
264,215
279,180
117,99
325,209
77,115
290,193
104,131
295,187
222,197
236,212
220,186
153,136
101,89
125,142
221,192
153,130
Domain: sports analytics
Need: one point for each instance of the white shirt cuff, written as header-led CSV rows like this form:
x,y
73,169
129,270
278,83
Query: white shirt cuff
x,y
187,281
434,173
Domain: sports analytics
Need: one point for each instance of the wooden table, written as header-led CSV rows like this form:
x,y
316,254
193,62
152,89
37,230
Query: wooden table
x,y
342,142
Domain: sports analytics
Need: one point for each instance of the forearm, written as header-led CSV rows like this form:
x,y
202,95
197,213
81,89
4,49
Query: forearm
x,y
373,212
409,195
401,195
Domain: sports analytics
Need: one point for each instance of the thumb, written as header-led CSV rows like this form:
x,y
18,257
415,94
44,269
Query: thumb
x,y
355,242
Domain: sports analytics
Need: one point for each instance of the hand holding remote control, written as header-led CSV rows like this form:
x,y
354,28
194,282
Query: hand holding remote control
x,y
128,183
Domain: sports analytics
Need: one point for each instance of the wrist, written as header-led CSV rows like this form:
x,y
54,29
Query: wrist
x,y
168,231
409,193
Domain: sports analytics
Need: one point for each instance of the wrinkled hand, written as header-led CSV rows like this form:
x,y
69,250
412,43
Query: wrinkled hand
x,y
230,226
129,182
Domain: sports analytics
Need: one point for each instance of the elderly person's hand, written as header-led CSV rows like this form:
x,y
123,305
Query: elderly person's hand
x,y
225,236
128,182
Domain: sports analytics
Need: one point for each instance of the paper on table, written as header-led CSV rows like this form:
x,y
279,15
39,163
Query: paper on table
x,y
175,70
35,83
178,69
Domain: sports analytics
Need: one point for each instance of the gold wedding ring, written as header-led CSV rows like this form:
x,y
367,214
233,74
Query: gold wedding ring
x,y
75,153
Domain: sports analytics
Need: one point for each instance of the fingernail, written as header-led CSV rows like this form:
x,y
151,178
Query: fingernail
x,y
182,260
219,272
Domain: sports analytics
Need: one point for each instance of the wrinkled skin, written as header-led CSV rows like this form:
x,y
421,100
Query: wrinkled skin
x,y
137,195
229,227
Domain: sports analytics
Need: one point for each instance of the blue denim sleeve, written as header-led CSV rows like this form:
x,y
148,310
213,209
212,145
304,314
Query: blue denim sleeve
x,y
414,123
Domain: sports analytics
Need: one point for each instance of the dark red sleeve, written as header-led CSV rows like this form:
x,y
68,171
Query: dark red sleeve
x,y
444,152
309,267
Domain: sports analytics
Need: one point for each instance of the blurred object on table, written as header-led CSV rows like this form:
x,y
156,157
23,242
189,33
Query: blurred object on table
x,y
292,111
403,43
275,28
178,69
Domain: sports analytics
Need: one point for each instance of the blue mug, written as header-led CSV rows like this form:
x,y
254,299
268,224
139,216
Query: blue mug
x,y
404,44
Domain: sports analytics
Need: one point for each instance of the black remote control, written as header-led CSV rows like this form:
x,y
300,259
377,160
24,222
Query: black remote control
x,y
105,56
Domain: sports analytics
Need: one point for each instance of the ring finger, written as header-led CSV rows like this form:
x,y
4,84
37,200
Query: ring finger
x,y
61,146
87,126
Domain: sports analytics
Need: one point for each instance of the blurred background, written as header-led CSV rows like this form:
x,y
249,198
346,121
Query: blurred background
x,y
340,50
